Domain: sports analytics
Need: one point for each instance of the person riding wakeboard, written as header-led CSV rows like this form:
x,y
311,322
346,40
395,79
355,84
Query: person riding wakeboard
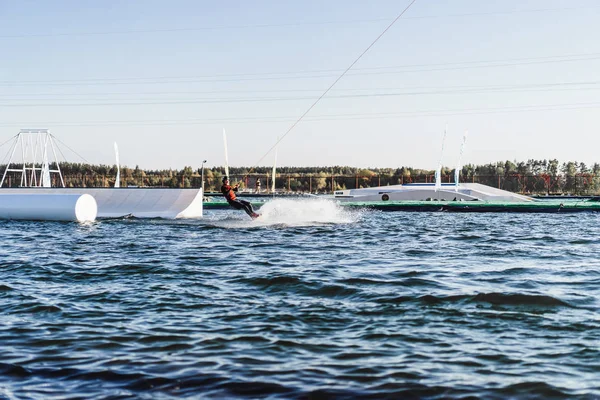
x,y
229,193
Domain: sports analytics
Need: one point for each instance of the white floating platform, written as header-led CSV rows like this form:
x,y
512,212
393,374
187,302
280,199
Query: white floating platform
x,y
48,207
427,191
137,202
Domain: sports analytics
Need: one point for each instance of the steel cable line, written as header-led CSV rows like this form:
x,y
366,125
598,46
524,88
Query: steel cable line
x,y
334,83
64,144
196,29
575,55
423,88
568,57
3,143
155,101
492,13
262,26
15,104
299,74
324,117
14,139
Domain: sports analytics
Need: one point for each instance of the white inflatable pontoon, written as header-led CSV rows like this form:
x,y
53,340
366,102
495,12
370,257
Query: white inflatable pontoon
x,y
48,207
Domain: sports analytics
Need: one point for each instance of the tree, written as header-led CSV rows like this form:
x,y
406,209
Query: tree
x,y
569,169
320,182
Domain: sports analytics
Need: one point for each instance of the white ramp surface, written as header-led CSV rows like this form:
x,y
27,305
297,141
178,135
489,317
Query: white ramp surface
x,y
136,202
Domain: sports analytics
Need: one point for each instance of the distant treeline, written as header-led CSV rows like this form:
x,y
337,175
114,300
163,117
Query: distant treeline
x,y
533,177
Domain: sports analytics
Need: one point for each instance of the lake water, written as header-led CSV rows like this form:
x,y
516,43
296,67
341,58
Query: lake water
x,y
308,301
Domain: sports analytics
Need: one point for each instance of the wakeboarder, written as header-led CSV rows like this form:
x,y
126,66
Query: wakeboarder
x,y
229,193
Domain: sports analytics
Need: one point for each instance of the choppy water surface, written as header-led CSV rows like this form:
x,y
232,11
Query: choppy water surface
x,y
309,301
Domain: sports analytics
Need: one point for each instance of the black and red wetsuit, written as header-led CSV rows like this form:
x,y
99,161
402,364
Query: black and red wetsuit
x,y
229,193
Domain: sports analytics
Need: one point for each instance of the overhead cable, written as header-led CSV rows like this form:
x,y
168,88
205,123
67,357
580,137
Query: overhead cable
x,y
290,24
316,74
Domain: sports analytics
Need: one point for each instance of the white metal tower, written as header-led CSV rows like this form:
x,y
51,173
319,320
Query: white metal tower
x,y
33,145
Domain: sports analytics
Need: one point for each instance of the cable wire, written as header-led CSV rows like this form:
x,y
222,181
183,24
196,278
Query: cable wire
x,y
322,117
18,102
15,138
64,144
297,75
334,83
14,96
262,26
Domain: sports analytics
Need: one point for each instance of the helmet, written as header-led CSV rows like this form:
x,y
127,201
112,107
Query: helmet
x,y
225,178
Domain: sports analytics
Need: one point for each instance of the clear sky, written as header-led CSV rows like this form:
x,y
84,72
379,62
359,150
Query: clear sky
x,y
163,78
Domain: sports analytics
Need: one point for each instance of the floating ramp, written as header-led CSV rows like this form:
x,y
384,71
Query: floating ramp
x,y
136,202
428,191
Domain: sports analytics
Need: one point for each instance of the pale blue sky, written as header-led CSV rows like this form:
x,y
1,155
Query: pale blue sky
x,y
163,79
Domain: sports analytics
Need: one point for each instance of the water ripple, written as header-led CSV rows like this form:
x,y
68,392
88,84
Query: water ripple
x,y
366,305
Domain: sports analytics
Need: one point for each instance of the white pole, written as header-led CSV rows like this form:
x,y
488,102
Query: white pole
x,y
62,181
438,172
24,174
45,165
118,178
202,184
459,163
226,157
274,168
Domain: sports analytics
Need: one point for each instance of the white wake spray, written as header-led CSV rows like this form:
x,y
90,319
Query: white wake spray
x,y
296,212
304,212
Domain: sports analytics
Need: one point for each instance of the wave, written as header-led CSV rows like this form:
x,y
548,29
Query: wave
x,y
518,299
400,384
497,299
298,286
75,379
